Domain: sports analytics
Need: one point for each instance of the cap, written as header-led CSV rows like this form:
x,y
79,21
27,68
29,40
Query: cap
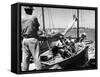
x,y
29,10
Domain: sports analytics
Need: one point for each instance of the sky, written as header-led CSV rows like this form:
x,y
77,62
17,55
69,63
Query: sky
x,y
61,18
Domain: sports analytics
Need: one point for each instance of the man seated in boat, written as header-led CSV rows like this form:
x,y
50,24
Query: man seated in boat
x,y
80,44
70,43
82,37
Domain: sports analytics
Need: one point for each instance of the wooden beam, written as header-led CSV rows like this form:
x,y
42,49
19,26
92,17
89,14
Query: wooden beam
x,y
78,24
43,18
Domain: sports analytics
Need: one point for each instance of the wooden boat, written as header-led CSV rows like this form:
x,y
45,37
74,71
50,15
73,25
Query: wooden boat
x,y
77,59
74,60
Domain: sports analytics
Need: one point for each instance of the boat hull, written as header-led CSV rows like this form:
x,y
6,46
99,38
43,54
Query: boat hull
x,y
76,61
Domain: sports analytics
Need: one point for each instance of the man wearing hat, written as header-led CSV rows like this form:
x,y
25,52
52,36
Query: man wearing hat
x,y
30,43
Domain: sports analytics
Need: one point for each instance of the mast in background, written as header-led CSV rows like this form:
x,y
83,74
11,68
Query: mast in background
x,y
43,19
78,24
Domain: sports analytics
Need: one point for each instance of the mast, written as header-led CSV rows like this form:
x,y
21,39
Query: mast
x,y
43,19
78,24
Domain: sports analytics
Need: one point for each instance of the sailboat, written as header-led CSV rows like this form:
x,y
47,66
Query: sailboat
x,y
71,59
77,59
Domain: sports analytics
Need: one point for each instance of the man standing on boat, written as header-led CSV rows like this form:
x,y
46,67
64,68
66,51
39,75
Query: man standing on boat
x,y
30,43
